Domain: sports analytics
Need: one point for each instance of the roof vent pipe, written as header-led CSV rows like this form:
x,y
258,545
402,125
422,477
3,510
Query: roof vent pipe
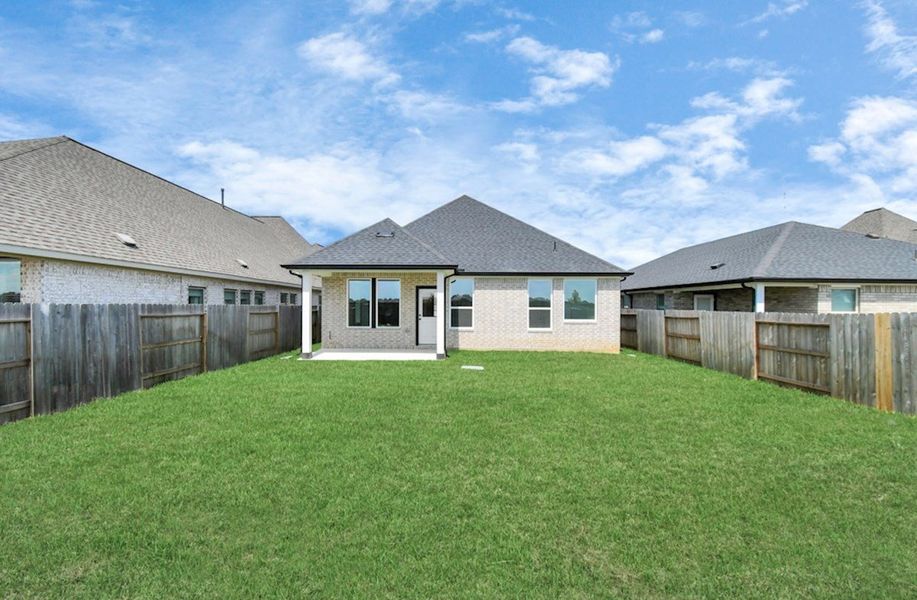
x,y
223,197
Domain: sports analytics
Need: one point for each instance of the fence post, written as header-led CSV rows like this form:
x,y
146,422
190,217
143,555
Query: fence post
x,y
884,374
204,341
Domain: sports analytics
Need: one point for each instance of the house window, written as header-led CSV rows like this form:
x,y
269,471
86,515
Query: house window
x,y
259,298
359,302
195,295
843,300
539,304
388,303
703,302
245,297
292,298
579,299
660,301
284,298
10,280
626,301
229,296
461,303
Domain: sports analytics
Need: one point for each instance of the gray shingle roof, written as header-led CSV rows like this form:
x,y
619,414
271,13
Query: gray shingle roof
x,y
789,251
475,237
383,244
884,223
62,196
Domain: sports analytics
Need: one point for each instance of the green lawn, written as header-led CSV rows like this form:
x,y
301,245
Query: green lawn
x,y
546,475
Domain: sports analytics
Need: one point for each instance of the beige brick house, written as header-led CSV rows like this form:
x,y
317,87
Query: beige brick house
x,y
80,226
791,267
463,276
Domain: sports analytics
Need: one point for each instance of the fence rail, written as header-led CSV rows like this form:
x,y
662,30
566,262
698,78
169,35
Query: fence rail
x,y
56,356
865,359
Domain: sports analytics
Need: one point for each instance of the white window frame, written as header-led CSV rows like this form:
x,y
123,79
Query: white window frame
x,y
375,316
347,303
235,296
710,297
449,303
549,308
251,297
856,299
203,294
595,317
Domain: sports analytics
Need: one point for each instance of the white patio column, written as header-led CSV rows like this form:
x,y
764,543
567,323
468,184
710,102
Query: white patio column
x,y
759,297
440,314
306,314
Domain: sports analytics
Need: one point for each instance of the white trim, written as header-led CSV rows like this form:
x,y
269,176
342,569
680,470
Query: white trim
x,y
710,297
400,303
449,303
595,317
306,318
440,308
127,264
549,309
347,303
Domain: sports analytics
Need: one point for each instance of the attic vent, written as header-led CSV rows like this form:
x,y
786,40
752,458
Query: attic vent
x,y
126,240
385,234
717,266
873,236
242,262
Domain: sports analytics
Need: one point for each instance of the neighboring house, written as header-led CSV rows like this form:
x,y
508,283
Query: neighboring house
x,y
82,227
884,223
792,267
463,276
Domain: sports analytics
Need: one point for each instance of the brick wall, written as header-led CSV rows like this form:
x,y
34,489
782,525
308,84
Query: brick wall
x,y
791,299
500,318
888,298
46,280
643,300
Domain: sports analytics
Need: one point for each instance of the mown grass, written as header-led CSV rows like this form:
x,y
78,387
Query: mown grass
x,y
545,475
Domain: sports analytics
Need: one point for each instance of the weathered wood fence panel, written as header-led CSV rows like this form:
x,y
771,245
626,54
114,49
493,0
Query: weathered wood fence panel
x,y
56,356
868,359
15,362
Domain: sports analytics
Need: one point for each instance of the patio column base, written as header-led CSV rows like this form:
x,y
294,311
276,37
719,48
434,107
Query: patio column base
x,y
305,355
440,356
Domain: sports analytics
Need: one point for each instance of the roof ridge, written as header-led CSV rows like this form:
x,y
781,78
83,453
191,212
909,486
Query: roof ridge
x,y
775,248
429,247
57,140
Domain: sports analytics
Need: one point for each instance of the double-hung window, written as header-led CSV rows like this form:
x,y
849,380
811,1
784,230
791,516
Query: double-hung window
x,y
292,298
284,297
229,296
626,301
844,300
195,295
245,297
388,303
579,299
660,301
359,302
540,304
461,303
10,280
259,298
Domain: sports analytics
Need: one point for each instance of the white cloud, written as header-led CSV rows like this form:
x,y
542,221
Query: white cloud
x,y
619,159
346,57
425,106
492,35
652,36
739,64
780,10
370,7
514,14
898,52
558,74
877,142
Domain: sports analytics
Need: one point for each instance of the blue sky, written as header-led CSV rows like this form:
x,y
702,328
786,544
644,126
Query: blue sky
x,y
628,128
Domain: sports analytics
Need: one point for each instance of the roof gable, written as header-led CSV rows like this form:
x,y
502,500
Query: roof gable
x,y
62,196
884,223
383,244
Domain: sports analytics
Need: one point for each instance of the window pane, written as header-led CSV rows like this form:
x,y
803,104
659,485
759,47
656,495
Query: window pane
x,y
625,301
292,298
283,297
388,299
660,301
229,296
843,300
10,281
462,291
579,299
427,305
461,317
259,298
245,298
539,292
359,297
195,295
539,319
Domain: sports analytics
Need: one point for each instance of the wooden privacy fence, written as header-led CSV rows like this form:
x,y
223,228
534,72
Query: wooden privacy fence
x,y
867,359
56,356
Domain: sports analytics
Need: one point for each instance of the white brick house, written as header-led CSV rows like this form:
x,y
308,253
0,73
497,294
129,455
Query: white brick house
x,y
463,276
80,226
